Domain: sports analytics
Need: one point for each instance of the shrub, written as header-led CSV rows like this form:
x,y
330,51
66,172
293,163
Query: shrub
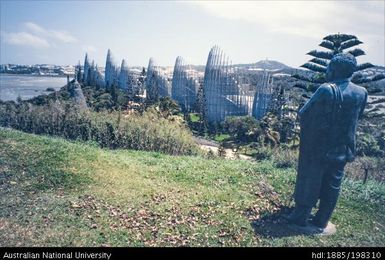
x,y
148,131
375,168
241,128
285,158
211,155
221,151
368,145
263,153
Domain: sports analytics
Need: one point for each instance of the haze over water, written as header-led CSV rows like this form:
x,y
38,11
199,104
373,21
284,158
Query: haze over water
x,y
27,86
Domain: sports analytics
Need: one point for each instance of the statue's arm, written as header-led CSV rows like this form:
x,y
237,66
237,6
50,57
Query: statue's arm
x,y
363,104
321,93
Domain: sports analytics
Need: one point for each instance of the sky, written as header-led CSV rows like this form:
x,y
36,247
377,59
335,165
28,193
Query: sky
x,y
61,32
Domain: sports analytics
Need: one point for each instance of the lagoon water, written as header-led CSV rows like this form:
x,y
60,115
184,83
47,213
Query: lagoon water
x,y
27,86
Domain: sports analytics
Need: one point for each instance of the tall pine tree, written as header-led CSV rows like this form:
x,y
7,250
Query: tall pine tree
x,y
335,44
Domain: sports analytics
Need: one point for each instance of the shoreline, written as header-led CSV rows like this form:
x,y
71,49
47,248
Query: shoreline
x,y
33,75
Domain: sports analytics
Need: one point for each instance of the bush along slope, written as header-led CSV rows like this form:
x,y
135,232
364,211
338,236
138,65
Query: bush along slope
x,y
148,131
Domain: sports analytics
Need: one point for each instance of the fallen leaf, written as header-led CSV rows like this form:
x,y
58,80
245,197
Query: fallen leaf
x,y
75,205
142,212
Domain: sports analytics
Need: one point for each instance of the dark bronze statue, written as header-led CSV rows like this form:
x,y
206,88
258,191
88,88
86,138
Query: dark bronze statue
x,y
327,142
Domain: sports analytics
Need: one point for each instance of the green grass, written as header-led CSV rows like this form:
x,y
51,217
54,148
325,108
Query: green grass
x,y
59,193
221,137
194,117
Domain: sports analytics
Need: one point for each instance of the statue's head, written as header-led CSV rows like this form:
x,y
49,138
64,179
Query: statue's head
x,y
341,66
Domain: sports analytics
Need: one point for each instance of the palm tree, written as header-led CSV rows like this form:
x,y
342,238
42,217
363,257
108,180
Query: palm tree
x,y
335,44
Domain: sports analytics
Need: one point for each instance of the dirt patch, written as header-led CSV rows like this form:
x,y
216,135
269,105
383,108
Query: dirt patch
x,y
212,146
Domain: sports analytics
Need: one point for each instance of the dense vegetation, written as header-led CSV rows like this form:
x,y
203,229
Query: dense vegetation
x,y
149,130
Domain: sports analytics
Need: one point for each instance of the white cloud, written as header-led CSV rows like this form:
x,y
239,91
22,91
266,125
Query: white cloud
x,y
50,35
89,48
37,36
26,39
293,17
304,18
33,27
63,36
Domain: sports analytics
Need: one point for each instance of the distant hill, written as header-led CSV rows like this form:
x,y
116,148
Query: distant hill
x,y
262,64
265,65
276,67
270,65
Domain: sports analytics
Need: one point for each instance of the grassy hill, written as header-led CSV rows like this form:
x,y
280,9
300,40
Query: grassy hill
x,y
59,193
